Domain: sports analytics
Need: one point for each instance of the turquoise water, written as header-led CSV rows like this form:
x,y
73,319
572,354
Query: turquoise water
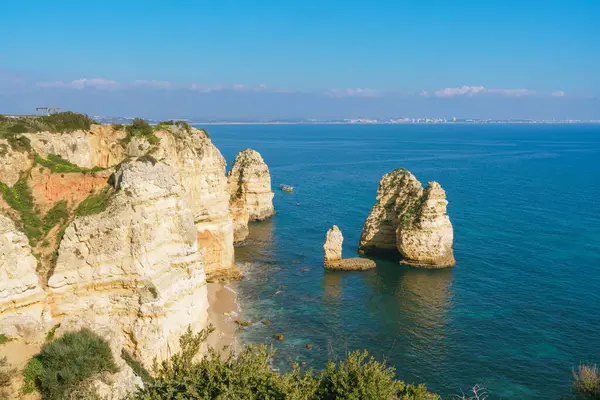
x,y
522,305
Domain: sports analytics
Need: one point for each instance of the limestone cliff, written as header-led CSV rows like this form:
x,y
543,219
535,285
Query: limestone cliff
x,y
135,266
200,170
97,147
411,220
251,197
21,296
13,162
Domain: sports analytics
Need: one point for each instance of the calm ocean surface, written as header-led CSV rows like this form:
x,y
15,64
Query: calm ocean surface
x,y
522,305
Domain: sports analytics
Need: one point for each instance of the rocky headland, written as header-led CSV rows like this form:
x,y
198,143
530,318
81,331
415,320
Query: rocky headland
x,y
118,229
411,220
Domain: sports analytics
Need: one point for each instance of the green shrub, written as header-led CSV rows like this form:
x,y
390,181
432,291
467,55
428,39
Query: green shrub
x,y
19,198
32,370
140,128
4,338
586,381
19,127
19,143
59,213
249,375
117,127
69,361
57,164
67,121
95,203
136,366
51,332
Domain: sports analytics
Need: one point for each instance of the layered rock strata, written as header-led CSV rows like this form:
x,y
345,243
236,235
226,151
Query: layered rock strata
x,y
200,171
21,296
333,253
411,220
251,197
135,267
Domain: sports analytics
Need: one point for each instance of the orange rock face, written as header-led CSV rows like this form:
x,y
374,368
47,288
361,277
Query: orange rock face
x,y
73,187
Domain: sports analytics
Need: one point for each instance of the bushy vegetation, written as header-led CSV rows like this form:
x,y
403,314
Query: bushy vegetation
x,y
66,363
249,375
117,127
57,164
586,381
19,198
17,142
6,374
67,121
95,203
4,338
179,124
58,214
140,128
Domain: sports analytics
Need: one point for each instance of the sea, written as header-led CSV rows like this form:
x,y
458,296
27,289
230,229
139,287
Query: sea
x,y
517,313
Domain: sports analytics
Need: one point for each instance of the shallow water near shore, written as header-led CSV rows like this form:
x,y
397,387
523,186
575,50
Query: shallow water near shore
x,y
522,305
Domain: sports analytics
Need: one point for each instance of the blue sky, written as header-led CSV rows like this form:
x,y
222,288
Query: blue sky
x,y
396,55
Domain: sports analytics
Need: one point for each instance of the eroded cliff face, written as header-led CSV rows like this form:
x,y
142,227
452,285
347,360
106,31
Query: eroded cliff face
x,y
200,170
21,296
135,267
411,220
97,147
13,162
251,197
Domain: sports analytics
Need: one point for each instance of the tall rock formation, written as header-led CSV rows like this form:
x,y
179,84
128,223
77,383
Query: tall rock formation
x,y
411,220
135,266
200,170
333,246
251,197
333,253
21,296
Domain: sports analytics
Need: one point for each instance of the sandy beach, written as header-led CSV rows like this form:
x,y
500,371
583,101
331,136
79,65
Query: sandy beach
x,y
222,312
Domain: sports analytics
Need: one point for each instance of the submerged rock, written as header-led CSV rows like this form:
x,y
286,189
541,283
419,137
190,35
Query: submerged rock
x,y
333,253
411,220
251,197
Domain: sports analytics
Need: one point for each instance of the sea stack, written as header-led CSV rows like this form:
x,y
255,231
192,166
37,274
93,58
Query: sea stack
x,y
411,220
333,246
333,253
251,197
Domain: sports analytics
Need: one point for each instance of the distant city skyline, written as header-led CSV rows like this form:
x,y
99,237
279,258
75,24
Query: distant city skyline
x,y
267,59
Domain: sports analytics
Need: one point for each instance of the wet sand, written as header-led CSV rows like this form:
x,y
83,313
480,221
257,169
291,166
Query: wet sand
x,y
222,312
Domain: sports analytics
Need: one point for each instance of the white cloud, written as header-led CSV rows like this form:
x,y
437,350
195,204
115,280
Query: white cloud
x,y
82,83
559,93
475,90
353,92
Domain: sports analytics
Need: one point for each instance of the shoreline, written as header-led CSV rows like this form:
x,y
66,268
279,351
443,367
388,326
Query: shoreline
x,y
223,310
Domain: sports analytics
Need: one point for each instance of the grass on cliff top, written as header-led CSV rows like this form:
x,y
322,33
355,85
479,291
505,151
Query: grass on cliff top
x,y
57,164
249,375
95,203
64,365
586,382
142,129
67,121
